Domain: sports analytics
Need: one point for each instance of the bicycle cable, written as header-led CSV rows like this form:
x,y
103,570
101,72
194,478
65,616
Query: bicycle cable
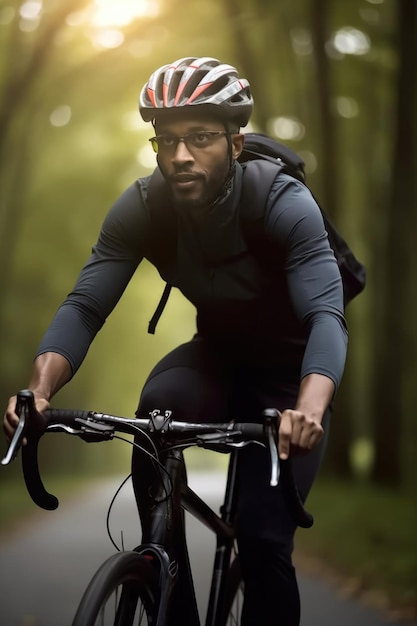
x,y
158,466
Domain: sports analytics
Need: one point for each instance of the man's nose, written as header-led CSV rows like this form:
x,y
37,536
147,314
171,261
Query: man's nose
x,y
182,153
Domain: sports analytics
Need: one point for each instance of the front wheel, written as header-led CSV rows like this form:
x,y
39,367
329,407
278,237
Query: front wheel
x,y
123,592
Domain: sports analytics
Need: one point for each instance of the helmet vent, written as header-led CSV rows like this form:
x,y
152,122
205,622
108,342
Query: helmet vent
x,y
204,82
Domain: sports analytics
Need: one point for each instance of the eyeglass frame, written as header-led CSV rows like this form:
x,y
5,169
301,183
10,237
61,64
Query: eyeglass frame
x,y
212,134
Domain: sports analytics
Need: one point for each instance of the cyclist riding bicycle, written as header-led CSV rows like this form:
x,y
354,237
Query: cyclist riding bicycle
x,y
266,337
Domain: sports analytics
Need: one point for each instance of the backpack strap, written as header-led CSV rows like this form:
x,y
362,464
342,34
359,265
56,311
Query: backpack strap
x,y
159,309
260,146
163,220
163,239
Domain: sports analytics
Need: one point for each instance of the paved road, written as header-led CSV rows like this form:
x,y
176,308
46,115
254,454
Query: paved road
x,y
46,564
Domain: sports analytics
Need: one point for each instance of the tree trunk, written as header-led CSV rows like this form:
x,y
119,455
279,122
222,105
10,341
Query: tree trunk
x,y
338,459
397,315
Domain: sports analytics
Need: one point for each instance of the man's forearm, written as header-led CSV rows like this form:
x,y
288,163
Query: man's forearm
x,y
315,394
50,372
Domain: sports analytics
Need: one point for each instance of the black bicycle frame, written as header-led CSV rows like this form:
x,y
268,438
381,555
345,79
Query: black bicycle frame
x,y
162,507
164,540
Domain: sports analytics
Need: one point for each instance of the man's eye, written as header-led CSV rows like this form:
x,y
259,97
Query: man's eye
x,y
198,139
166,141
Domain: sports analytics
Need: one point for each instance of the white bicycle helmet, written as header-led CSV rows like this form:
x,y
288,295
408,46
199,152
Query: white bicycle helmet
x,y
204,83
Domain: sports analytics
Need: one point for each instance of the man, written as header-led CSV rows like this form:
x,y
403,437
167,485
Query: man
x,y
267,337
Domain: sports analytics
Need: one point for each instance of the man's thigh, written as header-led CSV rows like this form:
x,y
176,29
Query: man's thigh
x,y
191,381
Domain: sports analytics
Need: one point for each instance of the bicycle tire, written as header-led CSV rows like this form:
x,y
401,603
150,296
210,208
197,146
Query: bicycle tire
x,y
123,592
233,600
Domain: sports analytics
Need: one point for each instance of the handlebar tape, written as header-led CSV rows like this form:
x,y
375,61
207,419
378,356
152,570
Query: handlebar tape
x,y
35,427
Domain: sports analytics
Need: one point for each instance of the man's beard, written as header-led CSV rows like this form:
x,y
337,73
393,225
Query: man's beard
x,y
211,188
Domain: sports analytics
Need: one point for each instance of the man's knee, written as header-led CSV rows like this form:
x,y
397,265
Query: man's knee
x,y
190,394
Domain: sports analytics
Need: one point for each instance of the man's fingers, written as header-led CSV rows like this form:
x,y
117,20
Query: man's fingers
x,y
10,420
297,433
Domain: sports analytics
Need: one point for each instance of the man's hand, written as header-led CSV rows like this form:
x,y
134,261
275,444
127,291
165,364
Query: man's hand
x,y
300,428
11,419
49,373
298,433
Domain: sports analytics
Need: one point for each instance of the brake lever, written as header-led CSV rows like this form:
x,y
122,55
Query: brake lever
x,y
270,419
275,466
22,410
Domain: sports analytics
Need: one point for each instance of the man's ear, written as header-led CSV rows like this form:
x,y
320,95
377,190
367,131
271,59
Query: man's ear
x,y
238,141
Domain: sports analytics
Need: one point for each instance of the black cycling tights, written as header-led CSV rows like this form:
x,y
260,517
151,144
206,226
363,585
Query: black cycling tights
x,y
203,384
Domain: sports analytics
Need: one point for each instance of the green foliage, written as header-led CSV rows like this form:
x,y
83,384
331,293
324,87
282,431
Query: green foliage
x,y
366,535
74,173
325,80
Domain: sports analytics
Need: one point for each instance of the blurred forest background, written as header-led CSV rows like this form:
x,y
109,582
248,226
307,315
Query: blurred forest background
x,y
337,81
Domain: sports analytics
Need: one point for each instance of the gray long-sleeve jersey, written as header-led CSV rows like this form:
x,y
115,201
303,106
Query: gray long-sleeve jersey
x,y
290,314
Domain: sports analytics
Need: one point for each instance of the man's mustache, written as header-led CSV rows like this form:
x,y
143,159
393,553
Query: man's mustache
x,y
184,177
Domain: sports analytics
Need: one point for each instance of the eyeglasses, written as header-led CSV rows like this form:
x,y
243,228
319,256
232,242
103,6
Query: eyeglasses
x,y
199,140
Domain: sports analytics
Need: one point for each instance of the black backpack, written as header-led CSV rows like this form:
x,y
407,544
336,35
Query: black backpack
x,y
262,159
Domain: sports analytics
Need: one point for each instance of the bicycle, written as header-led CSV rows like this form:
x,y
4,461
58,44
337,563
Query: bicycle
x,y
139,586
